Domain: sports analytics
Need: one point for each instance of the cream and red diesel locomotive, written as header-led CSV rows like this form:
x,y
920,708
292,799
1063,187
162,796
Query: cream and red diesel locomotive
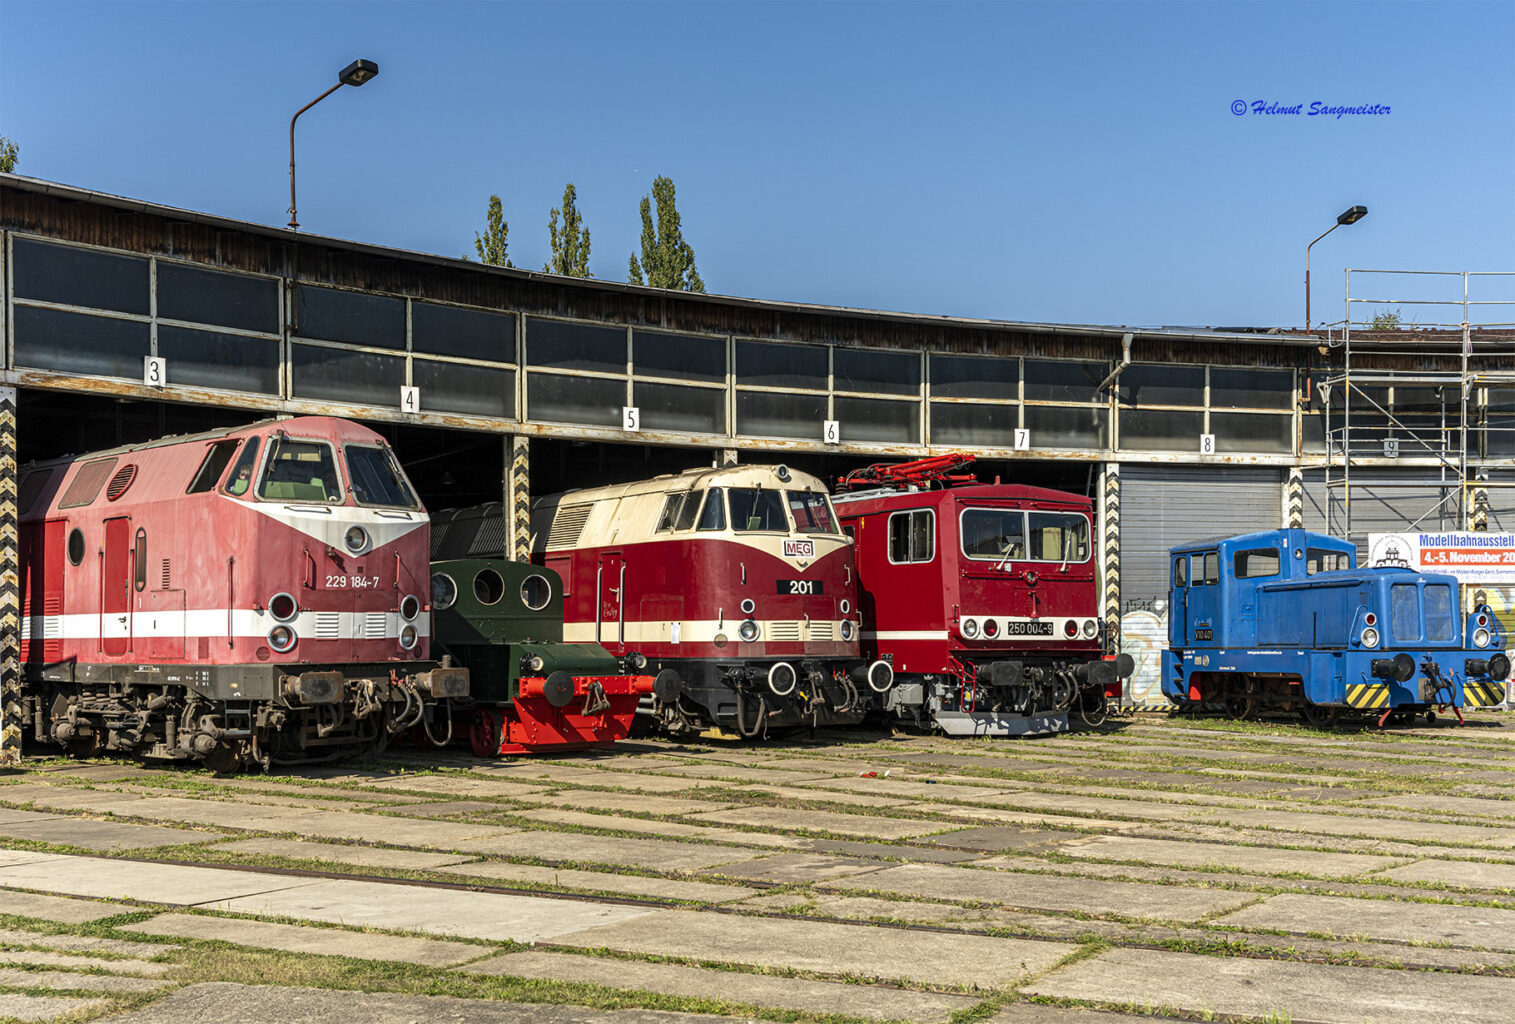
x,y
254,595
735,586
985,598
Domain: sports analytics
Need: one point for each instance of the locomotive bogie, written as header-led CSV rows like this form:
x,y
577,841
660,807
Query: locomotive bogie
x,y
1284,620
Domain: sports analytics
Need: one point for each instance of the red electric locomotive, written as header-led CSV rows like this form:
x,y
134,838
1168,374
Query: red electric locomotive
x,y
249,595
985,597
736,586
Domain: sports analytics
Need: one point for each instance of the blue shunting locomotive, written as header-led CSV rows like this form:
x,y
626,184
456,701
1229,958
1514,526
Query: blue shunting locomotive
x,y
1285,620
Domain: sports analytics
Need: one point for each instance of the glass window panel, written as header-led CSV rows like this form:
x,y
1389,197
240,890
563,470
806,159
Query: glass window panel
x,y
1250,564
469,333
923,535
376,478
1053,427
1239,388
1146,384
994,534
1058,536
1211,568
770,414
209,360
1312,428
811,512
688,513
672,505
1404,612
353,317
891,373
713,516
781,366
471,390
217,457
996,377
241,474
753,508
344,376
567,346
300,471
1440,625
48,339
214,297
596,401
1164,429
1321,560
670,407
984,425
1246,432
868,419
80,277
682,356
1064,381
1181,571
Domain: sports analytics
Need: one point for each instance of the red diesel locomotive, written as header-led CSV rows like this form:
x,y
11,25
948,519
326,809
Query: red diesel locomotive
x,y
734,585
248,595
985,598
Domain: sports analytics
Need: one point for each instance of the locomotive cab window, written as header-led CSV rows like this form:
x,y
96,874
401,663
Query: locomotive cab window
x,y
1320,560
1251,564
241,476
994,534
1210,561
376,478
714,515
304,471
689,512
812,514
1404,612
1058,536
912,536
1181,571
753,508
672,505
1441,627
216,460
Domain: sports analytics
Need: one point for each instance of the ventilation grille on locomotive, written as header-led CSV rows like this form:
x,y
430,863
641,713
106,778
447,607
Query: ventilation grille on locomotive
x,y
374,625
780,632
568,525
328,625
822,630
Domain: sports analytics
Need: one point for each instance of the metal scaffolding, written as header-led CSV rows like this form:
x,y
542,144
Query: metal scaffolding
x,y
1438,396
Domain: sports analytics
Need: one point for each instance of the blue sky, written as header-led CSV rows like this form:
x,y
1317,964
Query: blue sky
x,y
1074,162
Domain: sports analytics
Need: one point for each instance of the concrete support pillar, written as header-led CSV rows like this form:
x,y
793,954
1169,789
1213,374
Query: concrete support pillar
x,y
1109,541
11,719
1478,502
518,499
1294,499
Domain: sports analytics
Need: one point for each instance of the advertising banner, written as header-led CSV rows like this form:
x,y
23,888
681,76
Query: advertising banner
x,y
1480,557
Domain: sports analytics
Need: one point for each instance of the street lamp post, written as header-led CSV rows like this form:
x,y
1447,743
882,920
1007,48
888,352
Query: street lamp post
x,y
1351,216
356,73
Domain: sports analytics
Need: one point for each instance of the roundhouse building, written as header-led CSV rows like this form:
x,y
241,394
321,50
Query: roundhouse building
x,y
124,320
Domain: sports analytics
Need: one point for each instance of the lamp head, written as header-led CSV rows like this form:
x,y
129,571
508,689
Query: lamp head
x,y
360,71
1351,216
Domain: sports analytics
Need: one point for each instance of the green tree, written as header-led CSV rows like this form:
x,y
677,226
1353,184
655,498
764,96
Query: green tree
x,y
667,260
493,245
570,246
8,153
1388,320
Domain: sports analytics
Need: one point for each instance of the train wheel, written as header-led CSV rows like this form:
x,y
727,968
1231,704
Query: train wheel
x,y
484,735
224,758
1430,717
87,746
1238,706
1319,716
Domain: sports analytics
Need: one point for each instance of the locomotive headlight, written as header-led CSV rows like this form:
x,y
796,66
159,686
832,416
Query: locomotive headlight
x,y
847,631
1070,629
1370,637
282,638
410,607
1480,637
533,663
970,628
748,631
408,637
1090,628
356,539
283,607
991,628
748,606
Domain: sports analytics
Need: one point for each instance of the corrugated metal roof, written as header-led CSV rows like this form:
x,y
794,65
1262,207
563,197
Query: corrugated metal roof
x,y
69,192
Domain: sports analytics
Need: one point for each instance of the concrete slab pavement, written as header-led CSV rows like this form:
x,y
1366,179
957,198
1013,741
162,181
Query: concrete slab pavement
x,y
1487,927
325,941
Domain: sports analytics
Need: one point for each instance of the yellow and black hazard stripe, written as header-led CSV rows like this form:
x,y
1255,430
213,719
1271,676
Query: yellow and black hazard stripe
x,y
1476,694
1368,696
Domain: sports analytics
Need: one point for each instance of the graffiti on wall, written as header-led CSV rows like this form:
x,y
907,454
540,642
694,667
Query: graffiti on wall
x,y
1144,636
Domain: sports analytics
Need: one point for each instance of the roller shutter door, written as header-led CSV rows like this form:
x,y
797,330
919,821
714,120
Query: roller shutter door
x,y
1160,508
